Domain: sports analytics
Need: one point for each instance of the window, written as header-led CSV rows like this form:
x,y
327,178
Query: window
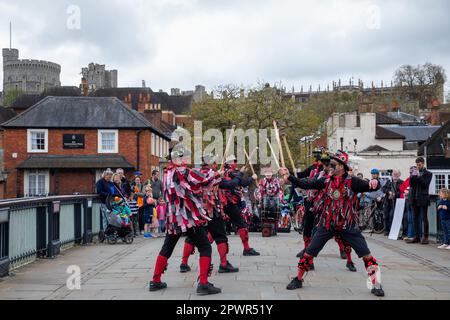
x,y
440,179
36,183
153,145
37,140
108,141
440,182
157,146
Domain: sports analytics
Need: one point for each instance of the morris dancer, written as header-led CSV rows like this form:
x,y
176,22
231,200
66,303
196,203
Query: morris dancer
x,y
338,218
185,214
231,197
216,227
315,208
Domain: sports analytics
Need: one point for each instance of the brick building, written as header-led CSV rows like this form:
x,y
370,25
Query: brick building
x,y
61,145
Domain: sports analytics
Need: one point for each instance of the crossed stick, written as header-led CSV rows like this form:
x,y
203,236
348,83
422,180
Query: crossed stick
x,y
289,153
227,148
277,135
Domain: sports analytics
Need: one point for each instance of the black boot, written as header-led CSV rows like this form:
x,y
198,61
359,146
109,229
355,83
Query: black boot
x,y
300,254
184,268
205,289
228,268
351,266
155,286
295,284
343,255
250,252
379,292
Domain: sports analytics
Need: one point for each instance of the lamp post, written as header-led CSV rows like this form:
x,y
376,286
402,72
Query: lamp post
x,y
356,142
342,143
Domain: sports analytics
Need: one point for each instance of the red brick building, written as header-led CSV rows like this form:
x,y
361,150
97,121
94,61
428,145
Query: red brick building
x,y
61,145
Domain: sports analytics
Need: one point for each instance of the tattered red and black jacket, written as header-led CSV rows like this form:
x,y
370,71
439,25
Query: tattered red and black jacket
x,y
339,198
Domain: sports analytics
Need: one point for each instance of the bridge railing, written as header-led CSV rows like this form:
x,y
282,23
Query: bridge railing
x,y
42,227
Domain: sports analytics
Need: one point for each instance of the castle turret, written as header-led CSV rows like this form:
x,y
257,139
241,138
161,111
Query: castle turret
x,y
10,55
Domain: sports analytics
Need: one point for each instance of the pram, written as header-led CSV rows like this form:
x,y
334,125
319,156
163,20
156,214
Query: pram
x,y
270,216
119,223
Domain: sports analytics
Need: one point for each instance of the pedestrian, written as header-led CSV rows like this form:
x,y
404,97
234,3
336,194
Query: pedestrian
x,y
420,179
185,214
105,188
161,211
149,206
126,186
338,218
138,196
444,215
391,192
156,184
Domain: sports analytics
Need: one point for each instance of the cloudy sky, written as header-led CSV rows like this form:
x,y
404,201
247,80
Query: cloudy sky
x,y
181,43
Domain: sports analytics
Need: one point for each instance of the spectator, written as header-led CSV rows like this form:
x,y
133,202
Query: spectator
x,y
156,185
407,221
126,187
161,211
376,195
118,188
360,175
444,215
138,196
420,179
392,191
149,207
105,189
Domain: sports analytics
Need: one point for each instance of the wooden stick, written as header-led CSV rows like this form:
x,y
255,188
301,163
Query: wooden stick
x,y
248,159
227,148
250,162
273,154
289,153
277,135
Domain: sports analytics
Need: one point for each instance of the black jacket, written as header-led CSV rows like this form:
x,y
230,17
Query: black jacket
x,y
393,187
419,186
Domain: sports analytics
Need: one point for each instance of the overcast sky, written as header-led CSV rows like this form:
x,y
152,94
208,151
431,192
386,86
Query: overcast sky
x,y
181,43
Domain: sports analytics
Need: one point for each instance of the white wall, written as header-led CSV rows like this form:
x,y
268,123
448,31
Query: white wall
x,y
385,161
365,134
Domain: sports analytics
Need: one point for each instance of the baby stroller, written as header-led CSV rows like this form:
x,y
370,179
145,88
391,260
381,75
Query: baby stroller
x,y
270,215
119,223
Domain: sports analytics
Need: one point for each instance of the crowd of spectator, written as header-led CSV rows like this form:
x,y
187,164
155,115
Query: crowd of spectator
x,y
147,207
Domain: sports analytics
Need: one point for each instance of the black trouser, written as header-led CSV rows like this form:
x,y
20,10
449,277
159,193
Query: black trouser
x,y
234,212
141,218
417,213
308,220
197,235
217,229
405,220
388,212
352,237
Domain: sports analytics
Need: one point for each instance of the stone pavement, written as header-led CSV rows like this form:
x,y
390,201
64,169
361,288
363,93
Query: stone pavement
x,y
119,272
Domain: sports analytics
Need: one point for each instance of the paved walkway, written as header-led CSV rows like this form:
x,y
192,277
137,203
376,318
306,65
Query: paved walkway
x,y
122,272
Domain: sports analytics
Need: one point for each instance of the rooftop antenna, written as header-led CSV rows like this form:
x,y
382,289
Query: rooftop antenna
x,y
10,35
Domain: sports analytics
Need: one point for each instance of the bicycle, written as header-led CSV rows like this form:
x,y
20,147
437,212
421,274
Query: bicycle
x,y
371,218
297,219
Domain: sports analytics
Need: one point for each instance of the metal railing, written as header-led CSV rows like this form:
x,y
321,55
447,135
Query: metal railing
x,y
42,227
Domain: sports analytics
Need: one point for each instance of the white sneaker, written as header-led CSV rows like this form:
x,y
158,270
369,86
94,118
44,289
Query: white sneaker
x,y
448,247
443,246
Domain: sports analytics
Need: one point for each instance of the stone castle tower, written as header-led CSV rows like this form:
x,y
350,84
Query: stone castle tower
x,y
29,76
97,77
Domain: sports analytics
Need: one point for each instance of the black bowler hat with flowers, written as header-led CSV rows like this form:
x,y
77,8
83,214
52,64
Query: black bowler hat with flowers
x,y
342,158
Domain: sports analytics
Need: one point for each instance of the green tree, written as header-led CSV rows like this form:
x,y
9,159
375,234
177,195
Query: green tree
x,y
10,96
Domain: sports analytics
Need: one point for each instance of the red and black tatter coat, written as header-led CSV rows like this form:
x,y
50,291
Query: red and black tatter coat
x,y
270,187
310,173
210,194
181,188
339,198
231,186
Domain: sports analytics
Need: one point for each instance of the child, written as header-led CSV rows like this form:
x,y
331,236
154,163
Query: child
x,y
155,224
161,211
134,216
148,205
444,214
